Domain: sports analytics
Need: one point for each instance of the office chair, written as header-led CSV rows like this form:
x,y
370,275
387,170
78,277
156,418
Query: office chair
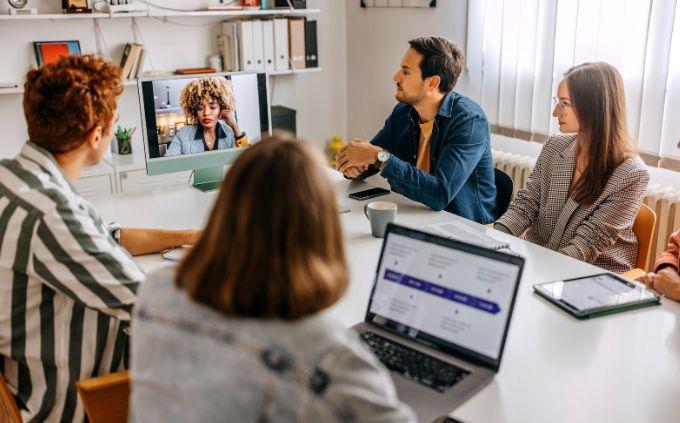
x,y
504,187
643,228
106,399
9,412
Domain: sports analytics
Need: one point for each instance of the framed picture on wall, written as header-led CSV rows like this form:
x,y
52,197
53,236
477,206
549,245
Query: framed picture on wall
x,y
50,51
75,6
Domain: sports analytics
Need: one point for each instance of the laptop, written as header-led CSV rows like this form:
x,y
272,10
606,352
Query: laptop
x,y
438,316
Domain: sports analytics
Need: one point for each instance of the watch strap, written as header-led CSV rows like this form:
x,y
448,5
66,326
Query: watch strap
x,y
114,230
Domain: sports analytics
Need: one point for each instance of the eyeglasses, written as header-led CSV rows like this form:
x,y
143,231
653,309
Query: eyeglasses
x,y
561,105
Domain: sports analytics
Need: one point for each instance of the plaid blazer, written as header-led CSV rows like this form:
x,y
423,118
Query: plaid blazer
x,y
600,233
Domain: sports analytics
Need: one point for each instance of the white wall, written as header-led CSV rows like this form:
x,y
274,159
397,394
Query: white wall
x,y
376,41
320,98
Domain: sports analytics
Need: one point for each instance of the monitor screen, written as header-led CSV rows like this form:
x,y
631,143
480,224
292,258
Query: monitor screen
x,y
444,295
202,115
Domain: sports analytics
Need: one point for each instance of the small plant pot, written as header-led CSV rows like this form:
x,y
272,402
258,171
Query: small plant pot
x,y
124,146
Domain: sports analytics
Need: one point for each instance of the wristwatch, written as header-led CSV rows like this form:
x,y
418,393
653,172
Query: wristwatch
x,y
114,230
383,156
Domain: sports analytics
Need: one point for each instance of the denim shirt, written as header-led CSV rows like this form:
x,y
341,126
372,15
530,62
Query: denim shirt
x,y
461,178
189,139
191,363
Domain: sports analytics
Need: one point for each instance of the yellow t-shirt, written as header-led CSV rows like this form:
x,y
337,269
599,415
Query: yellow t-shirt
x,y
423,160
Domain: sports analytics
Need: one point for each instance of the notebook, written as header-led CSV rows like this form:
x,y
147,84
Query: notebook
x,y
462,232
175,254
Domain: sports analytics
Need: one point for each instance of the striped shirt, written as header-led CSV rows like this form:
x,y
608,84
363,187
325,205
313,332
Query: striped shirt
x,y
66,289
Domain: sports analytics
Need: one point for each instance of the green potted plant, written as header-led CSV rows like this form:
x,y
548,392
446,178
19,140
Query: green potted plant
x,y
124,138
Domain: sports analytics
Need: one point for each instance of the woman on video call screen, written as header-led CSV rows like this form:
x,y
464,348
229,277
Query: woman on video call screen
x,y
209,104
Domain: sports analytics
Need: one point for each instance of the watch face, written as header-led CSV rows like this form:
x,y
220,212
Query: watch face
x,y
383,156
17,4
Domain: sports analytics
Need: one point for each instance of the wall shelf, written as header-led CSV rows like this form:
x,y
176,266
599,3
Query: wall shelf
x,y
53,16
163,14
294,71
157,13
16,90
133,82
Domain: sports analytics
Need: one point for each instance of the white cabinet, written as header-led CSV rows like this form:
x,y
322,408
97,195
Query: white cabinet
x,y
130,175
96,180
94,185
136,180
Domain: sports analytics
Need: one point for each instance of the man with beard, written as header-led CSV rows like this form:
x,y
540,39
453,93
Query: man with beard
x,y
434,147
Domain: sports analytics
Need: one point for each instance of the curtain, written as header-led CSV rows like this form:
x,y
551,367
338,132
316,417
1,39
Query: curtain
x,y
519,50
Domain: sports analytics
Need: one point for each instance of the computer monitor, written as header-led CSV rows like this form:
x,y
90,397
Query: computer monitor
x,y
178,110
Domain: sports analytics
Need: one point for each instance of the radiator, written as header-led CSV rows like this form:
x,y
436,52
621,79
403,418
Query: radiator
x,y
665,201
518,167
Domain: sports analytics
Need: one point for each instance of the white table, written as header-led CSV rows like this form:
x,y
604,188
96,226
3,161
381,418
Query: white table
x,y
623,368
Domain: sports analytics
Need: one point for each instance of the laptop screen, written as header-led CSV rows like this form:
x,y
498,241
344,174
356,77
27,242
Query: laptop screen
x,y
449,293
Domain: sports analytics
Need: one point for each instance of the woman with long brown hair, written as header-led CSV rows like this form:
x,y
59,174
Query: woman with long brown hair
x,y
582,196
236,332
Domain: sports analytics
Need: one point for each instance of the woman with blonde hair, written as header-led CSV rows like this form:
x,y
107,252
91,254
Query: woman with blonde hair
x,y
240,335
208,103
582,197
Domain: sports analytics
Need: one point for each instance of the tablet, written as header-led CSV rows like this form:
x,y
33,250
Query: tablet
x,y
597,295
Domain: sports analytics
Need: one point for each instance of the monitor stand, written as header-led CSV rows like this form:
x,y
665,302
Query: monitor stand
x,y
208,179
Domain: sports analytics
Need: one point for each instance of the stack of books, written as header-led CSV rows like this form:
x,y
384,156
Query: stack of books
x,y
132,61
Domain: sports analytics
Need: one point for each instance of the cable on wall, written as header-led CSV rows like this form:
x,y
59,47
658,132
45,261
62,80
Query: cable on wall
x,y
165,19
100,40
139,37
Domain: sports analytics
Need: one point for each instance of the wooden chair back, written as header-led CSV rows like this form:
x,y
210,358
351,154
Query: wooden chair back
x,y
9,412
106,399
644,227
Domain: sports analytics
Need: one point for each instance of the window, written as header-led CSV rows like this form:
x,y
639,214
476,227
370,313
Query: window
x,y
518,51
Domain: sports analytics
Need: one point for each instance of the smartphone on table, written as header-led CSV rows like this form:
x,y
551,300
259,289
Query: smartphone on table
x,y
368,193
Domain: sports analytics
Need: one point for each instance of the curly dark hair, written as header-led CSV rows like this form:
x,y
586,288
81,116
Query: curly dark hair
x,y
65,100
209,88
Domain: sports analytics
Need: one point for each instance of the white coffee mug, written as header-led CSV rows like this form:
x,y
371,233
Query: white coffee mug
x,y
380,213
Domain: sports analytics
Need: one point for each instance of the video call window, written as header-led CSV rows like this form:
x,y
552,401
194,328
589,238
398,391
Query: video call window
x,y
202,114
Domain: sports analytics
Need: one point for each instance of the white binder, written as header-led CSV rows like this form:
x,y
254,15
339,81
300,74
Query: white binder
x,y
258,45
246,52
268,45
281,44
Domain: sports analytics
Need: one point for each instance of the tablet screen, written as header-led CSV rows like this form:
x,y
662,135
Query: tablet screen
x,y
596,291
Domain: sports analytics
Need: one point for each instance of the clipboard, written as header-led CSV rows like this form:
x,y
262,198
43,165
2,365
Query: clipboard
x,y
597,295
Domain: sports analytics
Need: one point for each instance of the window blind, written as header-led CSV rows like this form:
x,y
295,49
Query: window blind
x,y
519,50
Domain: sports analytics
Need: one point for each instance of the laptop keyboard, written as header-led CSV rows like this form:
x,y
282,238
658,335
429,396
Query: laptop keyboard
x,y
413,364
